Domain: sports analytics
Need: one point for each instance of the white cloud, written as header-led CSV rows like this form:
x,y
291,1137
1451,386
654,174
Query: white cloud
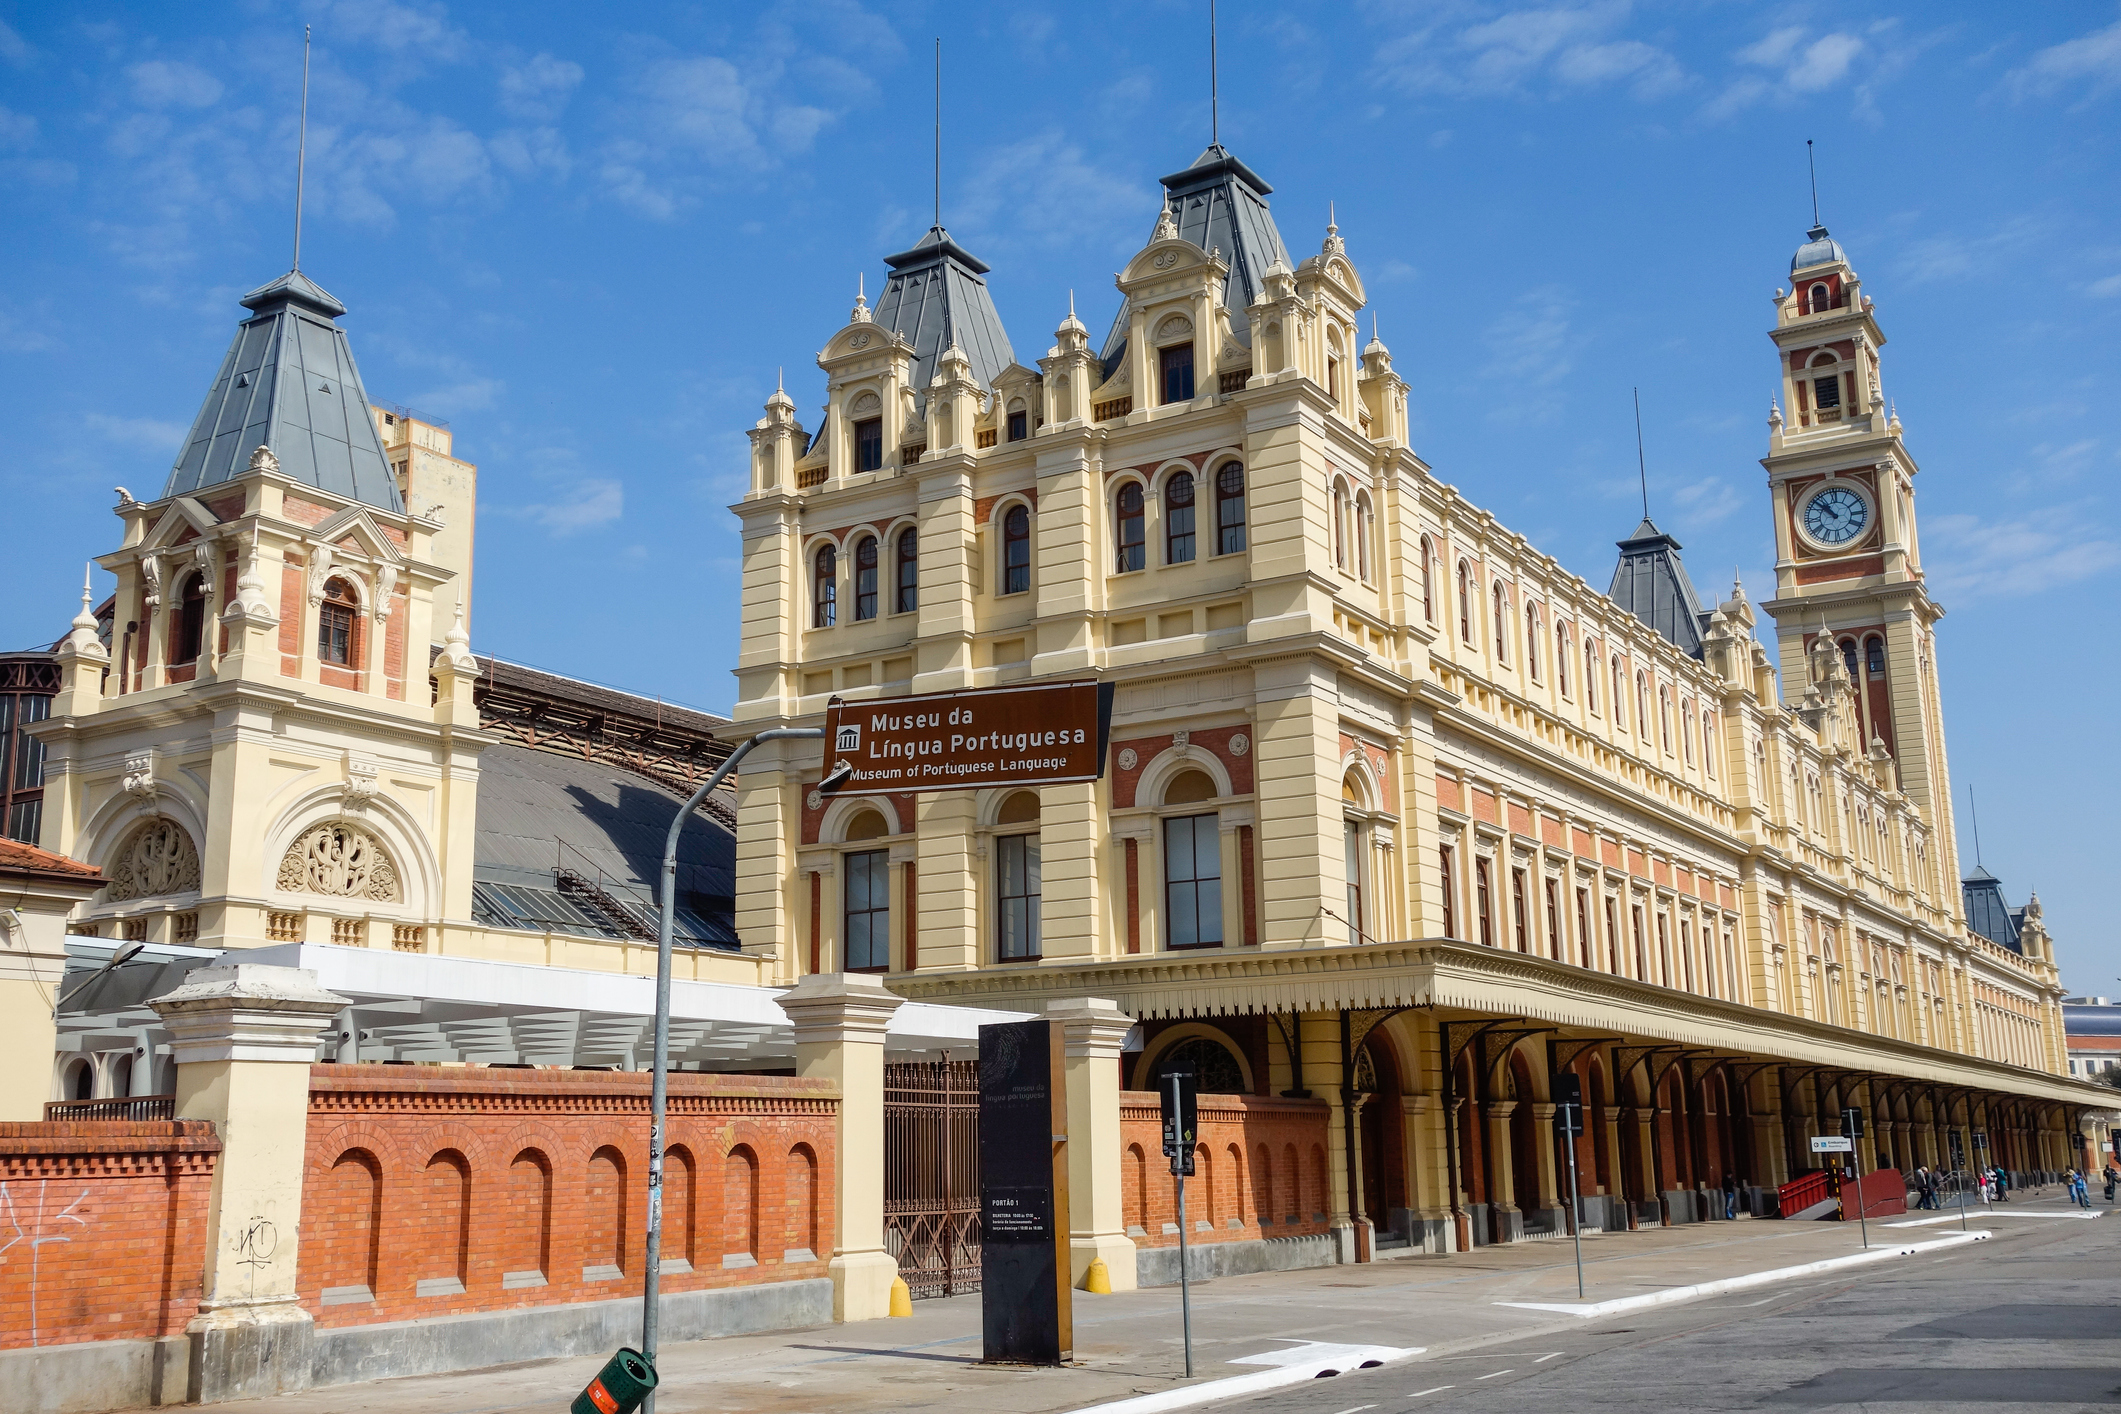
x,y
12,46
2107,288
1952,256
588,503
701,108
2093,61
1796,65
17,130
1971,557
1706,501
1555,49
455,399
1044,191
145,434
423,31
166,83
539,88
1531,349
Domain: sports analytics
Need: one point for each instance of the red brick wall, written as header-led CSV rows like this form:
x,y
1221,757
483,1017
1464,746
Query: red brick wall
x,y
1259,1162
427,1173
102,1229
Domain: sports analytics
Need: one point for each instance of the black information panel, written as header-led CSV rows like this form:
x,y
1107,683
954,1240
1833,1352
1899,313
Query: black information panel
x,y
1023,1209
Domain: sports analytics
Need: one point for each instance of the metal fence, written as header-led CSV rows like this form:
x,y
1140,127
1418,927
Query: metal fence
x,y
931,1174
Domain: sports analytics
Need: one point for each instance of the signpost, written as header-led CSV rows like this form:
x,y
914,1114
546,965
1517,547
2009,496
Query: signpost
x,y
1025,1302
1044,734
1568,1123
1180,1095
1852,1130
1830,1144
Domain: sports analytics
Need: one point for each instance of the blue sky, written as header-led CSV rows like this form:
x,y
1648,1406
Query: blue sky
x,y
589,236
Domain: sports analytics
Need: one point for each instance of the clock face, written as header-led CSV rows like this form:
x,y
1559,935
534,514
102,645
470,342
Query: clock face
x,y
1836,516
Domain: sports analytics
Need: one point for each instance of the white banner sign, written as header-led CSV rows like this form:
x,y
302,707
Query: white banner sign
x,y
1831,1144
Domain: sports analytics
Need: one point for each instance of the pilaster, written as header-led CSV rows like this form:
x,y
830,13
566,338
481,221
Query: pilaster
x,y
1094,1032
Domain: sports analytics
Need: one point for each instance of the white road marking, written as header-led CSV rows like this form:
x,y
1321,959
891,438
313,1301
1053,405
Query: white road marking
x,y
1497,1375
1555,1356
1437,1390
1358,1409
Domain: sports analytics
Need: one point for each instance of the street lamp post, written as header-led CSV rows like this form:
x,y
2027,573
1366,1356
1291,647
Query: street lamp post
x,y
659,1086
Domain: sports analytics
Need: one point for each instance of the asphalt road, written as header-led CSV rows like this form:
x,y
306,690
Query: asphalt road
x,y
2029,1320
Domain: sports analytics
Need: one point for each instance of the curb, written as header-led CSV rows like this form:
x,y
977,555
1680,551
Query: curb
x,y
1717,1288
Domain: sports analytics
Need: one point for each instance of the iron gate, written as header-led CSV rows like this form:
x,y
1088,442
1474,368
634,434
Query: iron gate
x,y
931,1174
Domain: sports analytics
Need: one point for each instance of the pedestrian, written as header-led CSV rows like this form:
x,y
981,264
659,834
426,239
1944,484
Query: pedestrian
x,y
1730,1196
2112,1176
2080,1190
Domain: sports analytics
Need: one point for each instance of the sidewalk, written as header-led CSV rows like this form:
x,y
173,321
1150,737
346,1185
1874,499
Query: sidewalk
x,y
1129,1344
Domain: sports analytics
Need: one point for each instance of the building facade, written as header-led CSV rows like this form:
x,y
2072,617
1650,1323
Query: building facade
x,y
1398,811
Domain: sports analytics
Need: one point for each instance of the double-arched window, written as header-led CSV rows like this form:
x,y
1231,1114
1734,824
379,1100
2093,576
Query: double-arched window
x,y
865,567
908,597
1178,519
1130,552
1016,550
1229,509
825,587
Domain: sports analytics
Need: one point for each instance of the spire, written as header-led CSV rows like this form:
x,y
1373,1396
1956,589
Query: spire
x,y
1218,203
1334,245
456,644
860,313
1651,583
936,297
84,640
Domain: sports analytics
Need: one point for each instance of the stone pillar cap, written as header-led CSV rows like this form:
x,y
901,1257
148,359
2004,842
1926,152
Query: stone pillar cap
x,y
827,1006
250,985
247,1011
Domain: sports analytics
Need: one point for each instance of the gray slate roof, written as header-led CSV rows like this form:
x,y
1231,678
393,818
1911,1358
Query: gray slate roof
x,y
1651,583
1818,249
1986,911
935,296
1219,203
289,383
610,820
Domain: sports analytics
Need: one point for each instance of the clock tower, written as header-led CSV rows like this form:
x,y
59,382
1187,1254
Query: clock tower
x,y
1848,565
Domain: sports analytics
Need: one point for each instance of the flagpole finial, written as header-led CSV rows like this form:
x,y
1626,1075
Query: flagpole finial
x,y
302,148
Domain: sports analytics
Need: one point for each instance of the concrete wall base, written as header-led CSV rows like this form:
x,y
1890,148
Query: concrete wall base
x,y
97,1374
1158,1266
480,1338
246,1352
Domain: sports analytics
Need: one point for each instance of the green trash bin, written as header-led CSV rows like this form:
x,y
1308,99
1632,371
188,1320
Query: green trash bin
x,y
619,1387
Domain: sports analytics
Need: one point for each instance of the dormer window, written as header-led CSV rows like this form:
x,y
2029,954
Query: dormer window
x,y
335,624
1019,422
869,444
1175,372
1822,299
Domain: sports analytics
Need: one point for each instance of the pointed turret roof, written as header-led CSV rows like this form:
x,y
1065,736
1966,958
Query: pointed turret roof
x,y
289,383
1651,583
1987,913
936,297
1219,203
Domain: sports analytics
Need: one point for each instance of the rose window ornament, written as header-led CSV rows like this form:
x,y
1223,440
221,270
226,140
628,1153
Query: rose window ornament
x,y
340,860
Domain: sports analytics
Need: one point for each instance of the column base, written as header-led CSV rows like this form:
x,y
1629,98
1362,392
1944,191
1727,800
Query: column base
x,y
1116,1251
245,1352
861,1285
1343,1236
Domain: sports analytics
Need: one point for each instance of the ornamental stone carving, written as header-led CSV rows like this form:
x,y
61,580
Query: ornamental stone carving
x,y
342,860
139,781
1240,744
159,859
360,783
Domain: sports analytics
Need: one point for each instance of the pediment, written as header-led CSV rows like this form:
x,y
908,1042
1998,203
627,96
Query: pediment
x,y
355,531
182,515
864,340
1160,260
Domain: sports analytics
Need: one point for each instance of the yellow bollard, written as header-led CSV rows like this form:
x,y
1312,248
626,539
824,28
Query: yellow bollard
x,y
901,1297
1097,1281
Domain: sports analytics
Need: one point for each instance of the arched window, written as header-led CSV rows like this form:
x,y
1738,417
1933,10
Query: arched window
x,y
1016,879
1822,299
1019,421
1428,580
1175,372
1362,535
1686,731
1848,657
1708,742
1561,657
909,571
1229,509
1664,718
1502,624
1465,601
1620,694
1128,528
190,633
865,558
1340,525
1874,656
825,588
338,625
1178,519
1333,366
1016,550
1590,673
1531,640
